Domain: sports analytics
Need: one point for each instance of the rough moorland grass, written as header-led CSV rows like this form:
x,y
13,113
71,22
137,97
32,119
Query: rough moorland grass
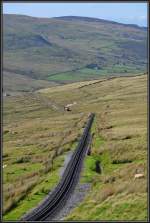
x,y
115,207
119,142
32,199
36,138
121,121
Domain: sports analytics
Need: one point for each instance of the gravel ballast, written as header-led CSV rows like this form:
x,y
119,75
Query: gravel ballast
x,y
79,193
75,199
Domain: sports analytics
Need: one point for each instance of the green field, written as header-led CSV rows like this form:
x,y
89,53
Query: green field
x,y
38,133
90,74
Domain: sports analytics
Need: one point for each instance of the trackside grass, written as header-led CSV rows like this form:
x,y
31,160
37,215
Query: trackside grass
x,y
38,133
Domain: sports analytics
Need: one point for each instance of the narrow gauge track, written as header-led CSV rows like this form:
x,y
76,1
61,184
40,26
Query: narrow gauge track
x,y
56,200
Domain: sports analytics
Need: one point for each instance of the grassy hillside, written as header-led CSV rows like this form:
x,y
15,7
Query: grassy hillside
x,y
38,134
14,83
68,49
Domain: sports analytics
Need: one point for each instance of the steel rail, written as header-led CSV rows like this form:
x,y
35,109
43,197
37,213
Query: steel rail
x,y
69,188
68,181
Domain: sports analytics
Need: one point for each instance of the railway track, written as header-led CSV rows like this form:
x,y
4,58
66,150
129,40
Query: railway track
x,y
56,200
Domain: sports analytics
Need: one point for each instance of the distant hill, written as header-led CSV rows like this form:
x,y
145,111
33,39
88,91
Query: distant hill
x,y
67,49
89,19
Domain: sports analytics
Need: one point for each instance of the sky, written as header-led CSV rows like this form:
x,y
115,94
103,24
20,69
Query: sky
x,y
131,13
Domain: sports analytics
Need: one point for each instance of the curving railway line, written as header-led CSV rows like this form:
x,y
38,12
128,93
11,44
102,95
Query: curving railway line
x,y
56,200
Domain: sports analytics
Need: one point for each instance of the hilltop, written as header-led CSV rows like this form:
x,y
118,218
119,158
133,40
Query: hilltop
x,y
70,49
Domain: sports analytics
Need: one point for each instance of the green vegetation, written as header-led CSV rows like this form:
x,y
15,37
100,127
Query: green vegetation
x,y
34,197
119,143
65,50
38,134
89,169
22,83
37,137
90,74
115,207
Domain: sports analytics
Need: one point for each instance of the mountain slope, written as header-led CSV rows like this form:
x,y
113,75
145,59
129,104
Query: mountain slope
x,y
72,48
38,134
14,83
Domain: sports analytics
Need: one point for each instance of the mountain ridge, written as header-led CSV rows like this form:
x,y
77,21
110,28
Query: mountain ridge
x,y
92,19
83,18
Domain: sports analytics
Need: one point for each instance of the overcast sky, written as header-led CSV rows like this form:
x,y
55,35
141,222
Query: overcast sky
x,y
132,13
